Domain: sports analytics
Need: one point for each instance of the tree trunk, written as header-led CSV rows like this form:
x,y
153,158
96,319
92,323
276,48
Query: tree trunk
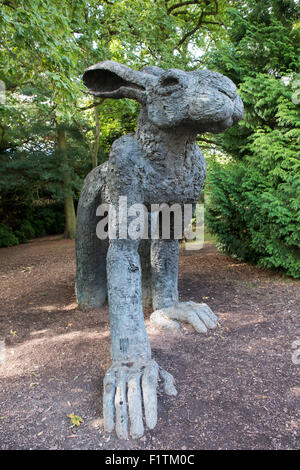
x,y
70,217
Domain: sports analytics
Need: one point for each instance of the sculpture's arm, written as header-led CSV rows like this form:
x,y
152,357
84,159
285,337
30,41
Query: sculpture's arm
x,y
129,339
132,379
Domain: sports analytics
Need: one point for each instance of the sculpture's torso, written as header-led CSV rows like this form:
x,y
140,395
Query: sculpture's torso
x,y
153,171
177,180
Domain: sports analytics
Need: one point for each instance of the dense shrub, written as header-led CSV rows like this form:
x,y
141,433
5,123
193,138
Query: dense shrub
x,y
256,219
7,237
31,222
254,204
25,232
48,219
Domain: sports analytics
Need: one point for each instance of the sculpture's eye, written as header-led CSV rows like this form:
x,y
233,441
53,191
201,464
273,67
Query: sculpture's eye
x,y
226,93
170,81
168,85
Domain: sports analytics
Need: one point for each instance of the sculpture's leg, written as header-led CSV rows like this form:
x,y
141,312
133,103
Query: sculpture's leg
x,y
90,250
168,311
144,251
164,270
131,382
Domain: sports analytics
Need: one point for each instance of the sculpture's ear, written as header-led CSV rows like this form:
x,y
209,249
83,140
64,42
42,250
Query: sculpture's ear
x,y
153,70
110,79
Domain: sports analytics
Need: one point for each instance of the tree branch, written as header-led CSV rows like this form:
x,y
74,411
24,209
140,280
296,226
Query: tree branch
x,y
207,141
91,105
190,33
201,22
182,4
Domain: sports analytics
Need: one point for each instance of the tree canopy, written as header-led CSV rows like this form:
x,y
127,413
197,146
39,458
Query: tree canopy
x,y
48,126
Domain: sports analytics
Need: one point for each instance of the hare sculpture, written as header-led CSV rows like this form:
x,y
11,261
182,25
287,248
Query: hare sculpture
x,y
160,164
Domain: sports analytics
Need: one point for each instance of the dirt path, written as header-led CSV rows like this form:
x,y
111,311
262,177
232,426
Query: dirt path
x,y
238,387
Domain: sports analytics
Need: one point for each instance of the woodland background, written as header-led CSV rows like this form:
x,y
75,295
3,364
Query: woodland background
x,y
52,133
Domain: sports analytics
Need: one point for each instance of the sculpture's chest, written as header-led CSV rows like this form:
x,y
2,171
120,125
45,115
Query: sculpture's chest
x,y
174,180
154,177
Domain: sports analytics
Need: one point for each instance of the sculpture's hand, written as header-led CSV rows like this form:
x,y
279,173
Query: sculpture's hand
x,y
128,385
200,316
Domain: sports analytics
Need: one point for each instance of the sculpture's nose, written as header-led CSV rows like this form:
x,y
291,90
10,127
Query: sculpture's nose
x,y
209,105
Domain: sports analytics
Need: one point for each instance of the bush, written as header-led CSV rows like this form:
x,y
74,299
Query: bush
x,y
36,221
7,237
25,232
48,219
256,218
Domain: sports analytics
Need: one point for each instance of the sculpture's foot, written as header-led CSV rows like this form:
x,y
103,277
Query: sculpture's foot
x,y
128,387
200,316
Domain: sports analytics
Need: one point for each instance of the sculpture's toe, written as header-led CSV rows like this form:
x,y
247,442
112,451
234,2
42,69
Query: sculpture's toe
x,y
130,389
121,407
160,318
135,406
200,316
168,382
205,314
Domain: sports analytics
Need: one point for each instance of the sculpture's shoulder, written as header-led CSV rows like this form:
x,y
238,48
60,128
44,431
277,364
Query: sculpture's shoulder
x,y
125,152
94,184
124,166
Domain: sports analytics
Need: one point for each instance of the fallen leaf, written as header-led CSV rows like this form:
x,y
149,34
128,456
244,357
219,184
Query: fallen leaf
x,y
75,419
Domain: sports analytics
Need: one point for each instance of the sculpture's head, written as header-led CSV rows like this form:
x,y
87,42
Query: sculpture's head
x,y
202,100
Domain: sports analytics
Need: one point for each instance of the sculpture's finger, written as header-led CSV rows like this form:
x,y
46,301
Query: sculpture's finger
x,y
168,382
121,406
203,314
212,314
149,385
205,307
109,385
195,321
163,321
135,406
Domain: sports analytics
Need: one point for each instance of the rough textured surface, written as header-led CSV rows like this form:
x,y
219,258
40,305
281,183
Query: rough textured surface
x,y
161,163
91,263
199,316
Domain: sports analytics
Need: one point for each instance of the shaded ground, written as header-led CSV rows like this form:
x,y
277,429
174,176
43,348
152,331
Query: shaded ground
x,y
238,387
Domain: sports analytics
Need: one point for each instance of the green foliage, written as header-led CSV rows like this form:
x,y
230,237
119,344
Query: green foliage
x,y
48,219
44,48
255,218
254,204
75,420
7,237
25,232
32,221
